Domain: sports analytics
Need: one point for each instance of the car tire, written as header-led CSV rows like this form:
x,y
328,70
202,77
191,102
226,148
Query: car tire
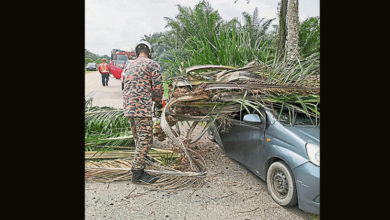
x,y
281,184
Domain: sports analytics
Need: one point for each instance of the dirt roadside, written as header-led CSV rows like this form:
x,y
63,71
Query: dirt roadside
x,y
230,192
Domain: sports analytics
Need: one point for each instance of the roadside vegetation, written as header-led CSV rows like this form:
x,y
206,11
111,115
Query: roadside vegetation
x,y
90,57
199,35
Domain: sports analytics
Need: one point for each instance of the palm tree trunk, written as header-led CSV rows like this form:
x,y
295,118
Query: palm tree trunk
x,y
292,30
282,28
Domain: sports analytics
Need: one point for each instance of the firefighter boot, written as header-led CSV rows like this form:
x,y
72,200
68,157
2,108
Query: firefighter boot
x,y
138,175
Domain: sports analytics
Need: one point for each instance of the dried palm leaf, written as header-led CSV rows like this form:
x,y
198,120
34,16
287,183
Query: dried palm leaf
x,y
168,130
196,98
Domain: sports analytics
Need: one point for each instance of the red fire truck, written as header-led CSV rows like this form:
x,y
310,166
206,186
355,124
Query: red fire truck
x,y
118,61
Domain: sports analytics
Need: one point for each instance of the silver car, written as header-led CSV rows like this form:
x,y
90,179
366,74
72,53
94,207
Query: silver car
x,y
91,66
283,151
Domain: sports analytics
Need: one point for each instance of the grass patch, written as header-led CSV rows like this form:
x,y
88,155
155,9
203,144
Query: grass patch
x,y
313,216
166,90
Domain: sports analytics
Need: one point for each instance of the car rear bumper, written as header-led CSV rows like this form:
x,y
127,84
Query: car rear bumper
x,y
307,178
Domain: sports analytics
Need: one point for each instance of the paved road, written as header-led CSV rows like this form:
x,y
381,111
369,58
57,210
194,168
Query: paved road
x,y
103,96
231,191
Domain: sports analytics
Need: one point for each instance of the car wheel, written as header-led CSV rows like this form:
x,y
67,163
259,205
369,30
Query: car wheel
x,y
281,184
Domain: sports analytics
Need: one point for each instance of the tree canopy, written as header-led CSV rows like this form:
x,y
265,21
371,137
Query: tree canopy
x,y
90,57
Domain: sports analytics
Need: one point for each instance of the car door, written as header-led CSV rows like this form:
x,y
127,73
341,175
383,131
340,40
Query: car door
x,y
243,141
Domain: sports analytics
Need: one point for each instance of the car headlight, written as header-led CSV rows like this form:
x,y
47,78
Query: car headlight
x,y
313,151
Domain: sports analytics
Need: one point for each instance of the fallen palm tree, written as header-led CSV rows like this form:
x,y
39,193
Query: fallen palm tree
x,y
161,155
109,149
207,96
201,96
109,166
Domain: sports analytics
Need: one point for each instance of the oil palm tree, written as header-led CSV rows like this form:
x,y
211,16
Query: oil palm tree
x,y
282,32
292,45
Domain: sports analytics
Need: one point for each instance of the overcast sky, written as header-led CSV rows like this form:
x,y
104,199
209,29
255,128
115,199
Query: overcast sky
x,y
120,24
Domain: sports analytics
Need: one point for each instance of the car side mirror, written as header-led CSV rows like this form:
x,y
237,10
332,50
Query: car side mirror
x,y
252,118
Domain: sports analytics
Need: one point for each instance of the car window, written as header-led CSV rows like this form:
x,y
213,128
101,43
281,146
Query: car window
x,y
291,117
122,57
240,115
119,62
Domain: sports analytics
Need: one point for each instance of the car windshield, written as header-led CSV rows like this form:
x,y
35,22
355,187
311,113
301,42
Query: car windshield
x,y
121,57
295,118
119,62
90,64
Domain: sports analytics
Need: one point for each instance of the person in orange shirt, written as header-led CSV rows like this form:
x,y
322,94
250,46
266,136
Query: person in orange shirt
x,y
103,69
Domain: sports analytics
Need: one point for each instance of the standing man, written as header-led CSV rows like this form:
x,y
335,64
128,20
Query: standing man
x,y
142,87
103,69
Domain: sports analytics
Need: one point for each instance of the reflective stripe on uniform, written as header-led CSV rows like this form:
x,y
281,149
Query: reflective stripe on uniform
x,y
103,67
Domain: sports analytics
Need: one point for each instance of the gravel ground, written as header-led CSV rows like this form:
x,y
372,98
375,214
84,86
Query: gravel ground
x,y
230,191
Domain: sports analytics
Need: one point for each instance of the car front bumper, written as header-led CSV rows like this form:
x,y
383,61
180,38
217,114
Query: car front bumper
x,y
307,178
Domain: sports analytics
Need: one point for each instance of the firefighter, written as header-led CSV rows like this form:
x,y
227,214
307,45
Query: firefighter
x,y
142,87
103,69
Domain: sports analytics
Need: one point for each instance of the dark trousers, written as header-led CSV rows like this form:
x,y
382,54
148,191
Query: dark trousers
x,y
105,78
